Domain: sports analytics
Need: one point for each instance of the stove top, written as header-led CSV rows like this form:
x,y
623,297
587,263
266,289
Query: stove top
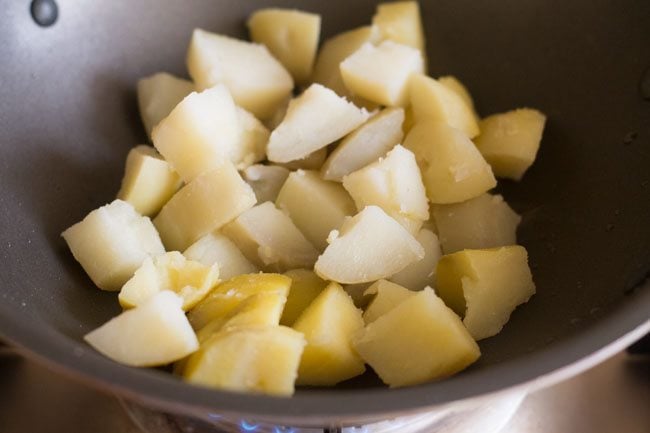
x,y
611,397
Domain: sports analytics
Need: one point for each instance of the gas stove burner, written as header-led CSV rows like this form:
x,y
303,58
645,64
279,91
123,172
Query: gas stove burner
x,y
490,416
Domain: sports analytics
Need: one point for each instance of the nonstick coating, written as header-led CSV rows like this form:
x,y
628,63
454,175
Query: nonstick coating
x,y
68,117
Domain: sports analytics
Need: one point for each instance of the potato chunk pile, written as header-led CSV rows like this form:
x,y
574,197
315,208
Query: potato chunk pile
x,y
305,213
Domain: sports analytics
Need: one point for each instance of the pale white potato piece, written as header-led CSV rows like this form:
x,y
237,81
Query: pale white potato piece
x,y
266,180
170,271
215,248
158,94
290,35
256,80
269,238
252,144
203,130
369,246
111,242
203,205
381,73
387,296
394,184
313,161
431,100
368,143
314,119
316,206
485,286
422,273
155,333
148,182
401,22
334,51
453,169
482,222
417,341
510,141
454,84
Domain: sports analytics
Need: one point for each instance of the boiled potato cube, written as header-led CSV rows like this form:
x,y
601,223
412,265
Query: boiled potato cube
x,y
510,141
155,333
387,296
381,73
111,242
313,161
482,222
452,168
334,51
252,144
256,80
316,206
433,101
290,35
453,84
148,182
266,180
393,183
228,295
269,238
171,271
367,144
305,286
422,273
203,205
216,249
203,130
369,246
314,119
257,360
401,22
328,324
158,94
417,341
485,286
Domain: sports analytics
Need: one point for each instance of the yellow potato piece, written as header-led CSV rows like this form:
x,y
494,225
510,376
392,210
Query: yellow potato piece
x,y
417,341
387,296
305,287
401,22
252,144
328,324
454,84
485,286
215,248
290,35
158,94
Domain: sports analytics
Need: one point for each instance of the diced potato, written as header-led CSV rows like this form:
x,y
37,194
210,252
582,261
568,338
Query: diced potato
x,y
433,101
252,145
393,183
417,341
328,324
148,182
314,119
334,51
216,249
367,144
305,286
266,180
171,271
203,205
290,35
409,120
452,168
482,222
256,80
401,22
316,206
510,141
369,246
269,238
387,296
453,84
381,73
111,242
232,360
422,273
278,115
155,333
228,295
485,286
158,94
313,161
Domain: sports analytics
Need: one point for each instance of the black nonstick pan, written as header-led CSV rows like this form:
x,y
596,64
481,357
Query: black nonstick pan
x,y
68,116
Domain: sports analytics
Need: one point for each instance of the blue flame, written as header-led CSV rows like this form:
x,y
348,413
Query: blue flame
x,y
283,430
246,426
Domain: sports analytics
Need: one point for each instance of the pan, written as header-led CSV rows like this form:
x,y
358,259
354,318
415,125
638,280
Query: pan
x,y
68,116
